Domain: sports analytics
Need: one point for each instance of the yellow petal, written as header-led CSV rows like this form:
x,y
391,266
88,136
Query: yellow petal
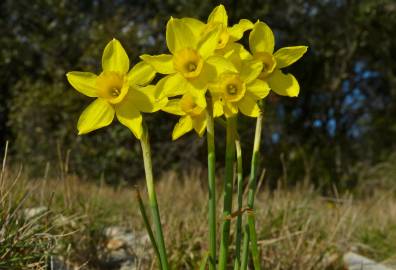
x,y
283,84
98,114
261,39
179,36
173,107
288,55
196,26
171,85
237,30
144,99
217,108
248,106
258,89
218,15
230,109
182,127
83,82
115,58
250,70
220,64
199,124
162,63
130,117
141,74
208,44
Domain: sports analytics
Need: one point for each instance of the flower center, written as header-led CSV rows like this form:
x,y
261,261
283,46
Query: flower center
x,y
191,67
111,86
188,62
189,105
232,87
269,63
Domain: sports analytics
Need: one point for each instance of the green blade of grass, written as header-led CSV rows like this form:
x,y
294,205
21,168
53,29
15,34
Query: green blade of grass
x,y
148,226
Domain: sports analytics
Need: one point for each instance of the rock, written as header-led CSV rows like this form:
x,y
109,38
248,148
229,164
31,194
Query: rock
x,y
124,248
354,261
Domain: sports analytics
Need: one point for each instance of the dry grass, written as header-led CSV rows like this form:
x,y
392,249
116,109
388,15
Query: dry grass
x,y
298,229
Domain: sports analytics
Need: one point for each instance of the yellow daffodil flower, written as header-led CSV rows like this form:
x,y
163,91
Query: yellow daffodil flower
x,y
192,110
239,91
192,64
228,35
262,43
117,92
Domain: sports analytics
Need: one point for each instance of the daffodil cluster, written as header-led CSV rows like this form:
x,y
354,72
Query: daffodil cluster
x,y
205,63
206,74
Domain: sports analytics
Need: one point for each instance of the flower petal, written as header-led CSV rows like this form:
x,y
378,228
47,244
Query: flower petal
x,y
98,114
199,123
179,36
230,109
261,39
237,30
217,108
130,117
220,64
258,89
83,82
172,85
288,55
208,44
196,26
144,99
182,127
248,106
162,63
218,15
250,70
173,107
283,84
141,74
115,58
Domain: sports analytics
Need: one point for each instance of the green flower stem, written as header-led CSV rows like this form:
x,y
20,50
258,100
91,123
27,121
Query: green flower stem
x,y
229,162
145,144
240,197
212,188
252,191
148,226
245,247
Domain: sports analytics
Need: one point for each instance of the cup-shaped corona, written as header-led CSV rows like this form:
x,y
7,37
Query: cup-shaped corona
x,y
188,62
112,86
231,87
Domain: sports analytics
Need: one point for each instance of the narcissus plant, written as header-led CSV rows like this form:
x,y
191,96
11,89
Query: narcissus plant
x,y
207,74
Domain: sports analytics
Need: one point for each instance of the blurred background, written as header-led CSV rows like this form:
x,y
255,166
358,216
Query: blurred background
x,y
340,130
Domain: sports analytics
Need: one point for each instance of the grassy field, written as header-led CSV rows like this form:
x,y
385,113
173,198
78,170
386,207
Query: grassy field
x,y
298,228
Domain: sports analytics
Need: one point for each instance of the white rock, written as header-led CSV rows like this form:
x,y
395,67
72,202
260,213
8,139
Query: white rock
x,y
355,261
